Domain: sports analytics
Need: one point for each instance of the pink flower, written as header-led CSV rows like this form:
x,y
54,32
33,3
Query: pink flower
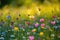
x,y
42,25
31,37
36,25
53,22
42,20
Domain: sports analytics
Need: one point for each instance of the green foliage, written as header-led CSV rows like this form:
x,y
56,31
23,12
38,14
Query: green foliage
x,y
59,1
19,2
4,2
41,1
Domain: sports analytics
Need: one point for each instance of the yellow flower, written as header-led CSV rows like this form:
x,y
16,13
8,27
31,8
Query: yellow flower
x,y
41,33
16,28
31,17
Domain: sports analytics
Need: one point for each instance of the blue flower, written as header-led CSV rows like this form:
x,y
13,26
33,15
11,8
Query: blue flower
x,y
8,17
3,33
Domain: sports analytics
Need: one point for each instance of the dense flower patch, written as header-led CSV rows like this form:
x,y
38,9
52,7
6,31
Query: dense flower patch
x,y
35,28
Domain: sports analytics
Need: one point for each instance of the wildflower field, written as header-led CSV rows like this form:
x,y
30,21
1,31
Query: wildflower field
x,y
34,22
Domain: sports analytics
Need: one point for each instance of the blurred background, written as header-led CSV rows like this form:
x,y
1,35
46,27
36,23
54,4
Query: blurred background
x,y
19,3
18,19
30,7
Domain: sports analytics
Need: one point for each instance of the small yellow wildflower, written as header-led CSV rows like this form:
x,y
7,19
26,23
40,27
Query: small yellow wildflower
x,y
16,28
41,33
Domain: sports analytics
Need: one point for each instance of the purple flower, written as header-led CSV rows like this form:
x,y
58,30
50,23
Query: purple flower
x,y
36,25
11,26
20,25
